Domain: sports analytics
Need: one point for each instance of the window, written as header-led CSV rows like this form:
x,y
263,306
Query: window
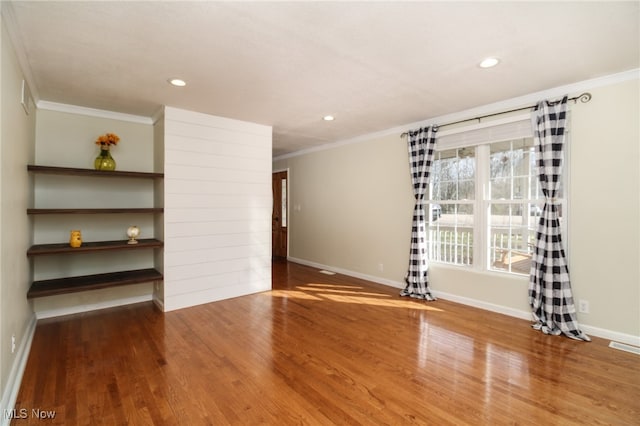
x,y
452,206
514,206
485,205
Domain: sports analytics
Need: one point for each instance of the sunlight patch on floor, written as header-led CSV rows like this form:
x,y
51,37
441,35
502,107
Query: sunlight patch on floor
x,y
380,302
350,294
292,294
357,292
332,286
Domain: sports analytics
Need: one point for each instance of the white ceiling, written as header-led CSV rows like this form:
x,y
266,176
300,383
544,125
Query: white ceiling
x,y
374,65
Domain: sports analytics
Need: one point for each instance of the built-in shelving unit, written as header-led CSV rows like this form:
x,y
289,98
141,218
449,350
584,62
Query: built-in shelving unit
x,y
91,282
95,211
63,285
65,248
54,170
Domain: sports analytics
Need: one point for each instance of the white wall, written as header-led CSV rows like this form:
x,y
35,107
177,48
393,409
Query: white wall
x,y
217,208
16,150
351,208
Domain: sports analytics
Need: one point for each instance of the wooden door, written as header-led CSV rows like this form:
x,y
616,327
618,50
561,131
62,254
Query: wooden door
x,y
279,217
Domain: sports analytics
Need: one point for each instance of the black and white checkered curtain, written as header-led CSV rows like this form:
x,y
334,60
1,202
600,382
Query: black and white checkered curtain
x,y
422,145
550,293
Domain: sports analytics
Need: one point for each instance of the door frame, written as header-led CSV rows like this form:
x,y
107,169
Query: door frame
x,y
274,171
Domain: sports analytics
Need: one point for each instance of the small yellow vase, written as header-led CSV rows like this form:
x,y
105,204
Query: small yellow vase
x,y
75,240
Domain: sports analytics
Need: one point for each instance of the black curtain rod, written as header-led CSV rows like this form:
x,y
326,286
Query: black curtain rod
x,y
584,98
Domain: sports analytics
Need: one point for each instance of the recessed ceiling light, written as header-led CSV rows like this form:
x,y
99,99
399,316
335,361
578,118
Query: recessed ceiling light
x,y
177,82
328,118
489,62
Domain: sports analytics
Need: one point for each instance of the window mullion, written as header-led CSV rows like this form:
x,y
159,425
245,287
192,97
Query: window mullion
x,y
481,226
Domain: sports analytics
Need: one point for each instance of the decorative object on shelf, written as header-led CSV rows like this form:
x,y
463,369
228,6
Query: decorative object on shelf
x,y
104,160
133,232
75,240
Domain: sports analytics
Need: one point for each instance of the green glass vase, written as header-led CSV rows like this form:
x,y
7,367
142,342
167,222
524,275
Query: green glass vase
x,y
104,161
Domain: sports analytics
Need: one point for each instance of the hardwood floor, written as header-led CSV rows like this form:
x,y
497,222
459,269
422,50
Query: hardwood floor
x,y
320,350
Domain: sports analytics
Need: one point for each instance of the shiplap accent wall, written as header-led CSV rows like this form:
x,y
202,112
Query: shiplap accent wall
x,y
217,201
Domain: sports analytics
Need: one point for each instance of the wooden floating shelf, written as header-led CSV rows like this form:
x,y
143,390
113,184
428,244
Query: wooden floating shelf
x,y
87,247
90,172
96,211
91,282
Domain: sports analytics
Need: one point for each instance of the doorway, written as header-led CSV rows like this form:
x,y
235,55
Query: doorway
x,y
279,216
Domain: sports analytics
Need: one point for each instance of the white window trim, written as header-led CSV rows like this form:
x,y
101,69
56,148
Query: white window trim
x,y
480,136
480,251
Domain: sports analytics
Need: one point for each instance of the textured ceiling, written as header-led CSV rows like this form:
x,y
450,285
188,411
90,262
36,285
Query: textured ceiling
x,y
374,65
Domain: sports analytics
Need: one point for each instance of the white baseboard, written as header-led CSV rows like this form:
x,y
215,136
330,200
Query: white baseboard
x,y
499,309
174,302
505,310
10,392
390,283
92,306
159,303
629,339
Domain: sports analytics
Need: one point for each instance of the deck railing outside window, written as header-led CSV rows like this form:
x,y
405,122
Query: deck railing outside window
x,y
506,252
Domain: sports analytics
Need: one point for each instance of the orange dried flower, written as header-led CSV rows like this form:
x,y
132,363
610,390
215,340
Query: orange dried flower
x,y
108,139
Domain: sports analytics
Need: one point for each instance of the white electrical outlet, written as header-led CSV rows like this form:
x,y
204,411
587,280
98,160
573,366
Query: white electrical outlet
x,y
13,343
583,306
381,267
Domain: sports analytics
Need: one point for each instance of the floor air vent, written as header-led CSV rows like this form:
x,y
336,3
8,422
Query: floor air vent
x,y
626,348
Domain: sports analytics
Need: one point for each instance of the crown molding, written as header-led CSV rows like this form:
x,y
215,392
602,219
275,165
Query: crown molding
x,y
159,114
492,108
92,112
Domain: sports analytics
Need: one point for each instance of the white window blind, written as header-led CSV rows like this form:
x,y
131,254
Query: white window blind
x,y
516,127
